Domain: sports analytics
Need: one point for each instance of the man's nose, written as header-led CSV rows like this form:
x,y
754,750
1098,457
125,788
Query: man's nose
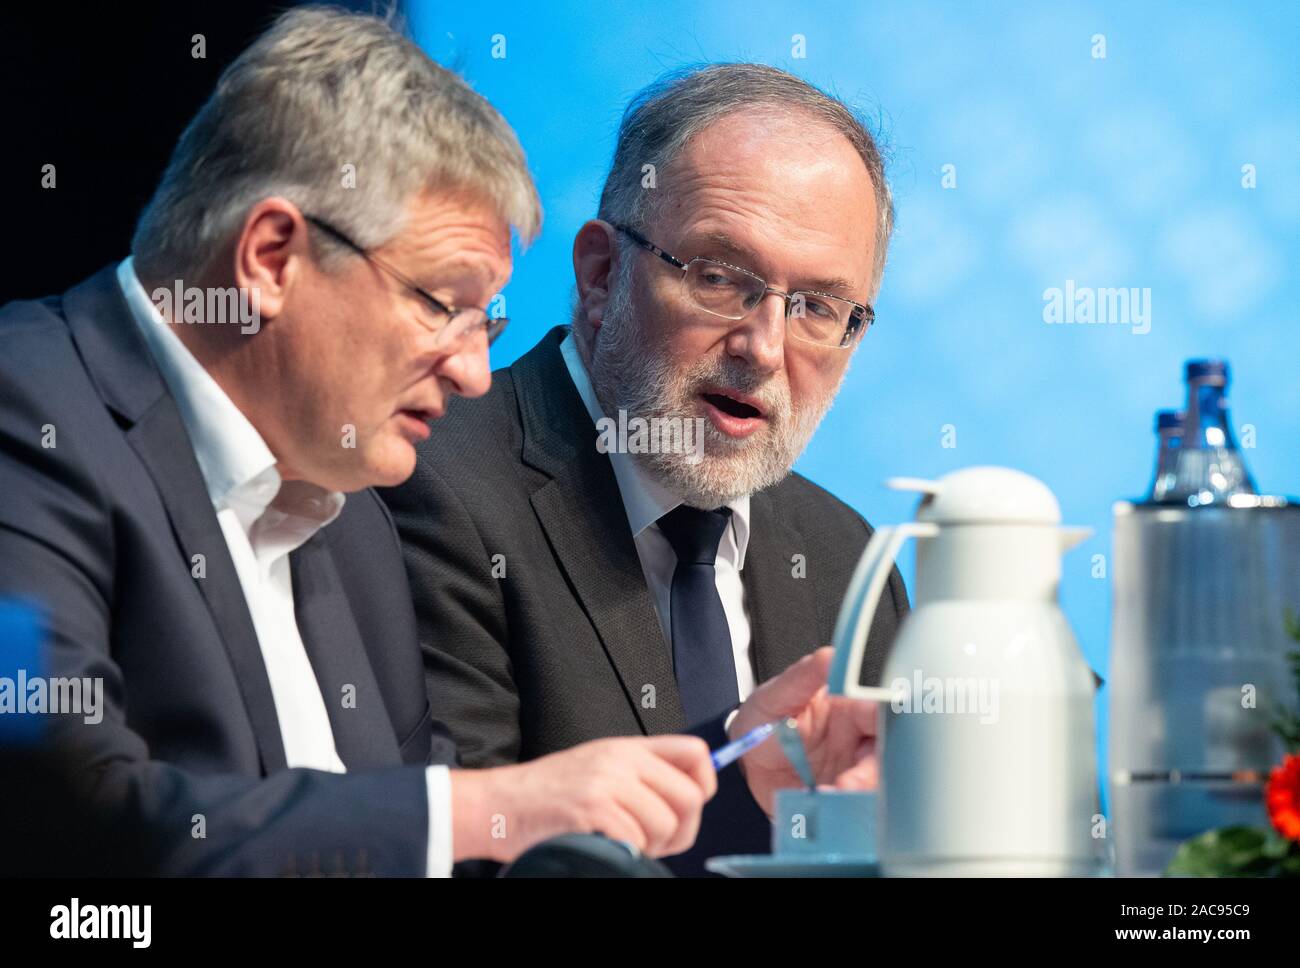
x,y
468,368
759,338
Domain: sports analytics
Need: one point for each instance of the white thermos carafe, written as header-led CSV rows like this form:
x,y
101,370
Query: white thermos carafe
x,y
987,745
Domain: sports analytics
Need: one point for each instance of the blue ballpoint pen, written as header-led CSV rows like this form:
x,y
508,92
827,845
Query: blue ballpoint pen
x,y
726,755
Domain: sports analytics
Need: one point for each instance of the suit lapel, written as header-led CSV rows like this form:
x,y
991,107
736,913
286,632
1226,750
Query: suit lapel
x,y
127,379
581,511
363,732
782,611
164,447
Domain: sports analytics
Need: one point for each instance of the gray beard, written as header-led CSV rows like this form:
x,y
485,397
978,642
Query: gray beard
x,y
628,376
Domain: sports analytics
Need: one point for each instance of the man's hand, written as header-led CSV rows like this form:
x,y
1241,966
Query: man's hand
x,y
648,791
839,733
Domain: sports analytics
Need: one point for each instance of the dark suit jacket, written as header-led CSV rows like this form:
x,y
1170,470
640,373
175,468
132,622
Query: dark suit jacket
x,y
564,646
101,530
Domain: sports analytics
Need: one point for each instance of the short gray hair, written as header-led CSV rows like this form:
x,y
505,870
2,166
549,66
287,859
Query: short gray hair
x,y
665,116
322,89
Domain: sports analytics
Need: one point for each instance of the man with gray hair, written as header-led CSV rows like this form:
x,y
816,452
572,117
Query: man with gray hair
x,y
188,444
628,551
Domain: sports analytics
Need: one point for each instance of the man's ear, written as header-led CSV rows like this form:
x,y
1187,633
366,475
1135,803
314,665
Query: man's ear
x,y
595,261
274,232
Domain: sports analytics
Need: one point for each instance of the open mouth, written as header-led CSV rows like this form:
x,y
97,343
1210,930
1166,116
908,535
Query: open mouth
x,y
731,415
416,422
732,407
423,415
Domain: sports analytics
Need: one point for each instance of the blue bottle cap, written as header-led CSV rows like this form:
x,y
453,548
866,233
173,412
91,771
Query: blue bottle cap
x,y
1199,369
1170,420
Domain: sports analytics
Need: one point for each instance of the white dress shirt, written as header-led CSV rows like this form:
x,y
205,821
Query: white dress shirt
x,y
646,500
264,519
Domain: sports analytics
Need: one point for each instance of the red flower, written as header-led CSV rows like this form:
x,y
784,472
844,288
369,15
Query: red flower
x,y
1283,797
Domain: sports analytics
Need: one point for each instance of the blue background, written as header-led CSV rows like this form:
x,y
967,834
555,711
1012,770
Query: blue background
x,y
1117,172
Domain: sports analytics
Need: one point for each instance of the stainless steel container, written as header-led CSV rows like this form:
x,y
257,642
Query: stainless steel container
x,y
1197,668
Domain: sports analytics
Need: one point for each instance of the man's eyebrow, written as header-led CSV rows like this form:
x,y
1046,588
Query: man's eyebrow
x,y
726,248
715,241
726,244
835,286
439,276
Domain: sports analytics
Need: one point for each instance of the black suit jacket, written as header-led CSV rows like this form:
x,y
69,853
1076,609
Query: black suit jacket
x,y
102,529
536,623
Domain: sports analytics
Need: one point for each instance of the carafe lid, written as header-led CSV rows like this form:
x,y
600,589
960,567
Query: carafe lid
x,y
983,495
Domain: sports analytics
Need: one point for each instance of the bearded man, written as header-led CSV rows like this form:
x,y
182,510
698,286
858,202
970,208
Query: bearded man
x,y
611,541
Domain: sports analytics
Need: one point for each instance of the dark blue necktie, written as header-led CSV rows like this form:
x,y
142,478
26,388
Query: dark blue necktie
x,y
702,656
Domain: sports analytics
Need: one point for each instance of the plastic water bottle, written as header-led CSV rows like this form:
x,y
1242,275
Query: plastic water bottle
x,y
1209,468
1169,432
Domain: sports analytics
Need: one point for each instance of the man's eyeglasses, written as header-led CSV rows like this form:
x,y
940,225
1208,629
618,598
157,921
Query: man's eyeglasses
x,y
732,293
461,321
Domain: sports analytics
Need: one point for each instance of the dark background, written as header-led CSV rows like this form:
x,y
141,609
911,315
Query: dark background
x,y
102,93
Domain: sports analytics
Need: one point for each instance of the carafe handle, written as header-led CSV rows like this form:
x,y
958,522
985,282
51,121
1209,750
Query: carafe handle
x,y
859,607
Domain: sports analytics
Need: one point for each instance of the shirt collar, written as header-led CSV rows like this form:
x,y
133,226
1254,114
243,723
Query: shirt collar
x,y
645,499
237,465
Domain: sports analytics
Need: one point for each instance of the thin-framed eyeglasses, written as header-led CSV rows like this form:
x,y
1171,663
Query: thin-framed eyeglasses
x,y
731,292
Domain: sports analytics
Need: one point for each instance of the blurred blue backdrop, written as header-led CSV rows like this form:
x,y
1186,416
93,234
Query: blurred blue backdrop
x,y
1122,170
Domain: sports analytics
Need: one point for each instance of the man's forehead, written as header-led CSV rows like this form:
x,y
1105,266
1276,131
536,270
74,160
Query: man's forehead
x,y
744,186
829,254
737,247
471,268
454,239
453,216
